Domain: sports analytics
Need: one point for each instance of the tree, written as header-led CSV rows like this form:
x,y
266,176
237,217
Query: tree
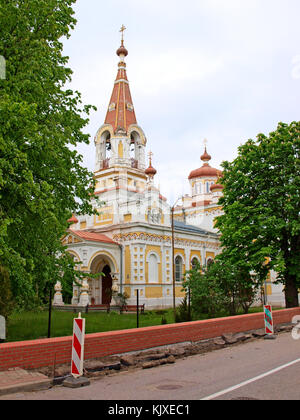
x,y
260,227
42,181
6,298
221,287
205,290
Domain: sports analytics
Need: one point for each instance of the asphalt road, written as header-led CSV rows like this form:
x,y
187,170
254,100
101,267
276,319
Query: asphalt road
x,y
260,369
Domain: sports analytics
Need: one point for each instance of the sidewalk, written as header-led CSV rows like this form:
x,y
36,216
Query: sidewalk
x,y
20,380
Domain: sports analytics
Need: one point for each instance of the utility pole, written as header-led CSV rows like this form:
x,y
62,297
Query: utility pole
x,y
173,264
137,309
50,309
173,255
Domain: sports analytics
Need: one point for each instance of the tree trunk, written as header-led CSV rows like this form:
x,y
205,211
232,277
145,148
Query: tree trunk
x,y
291,292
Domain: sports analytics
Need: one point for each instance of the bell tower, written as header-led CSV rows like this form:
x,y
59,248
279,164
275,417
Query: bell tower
x,y
120,142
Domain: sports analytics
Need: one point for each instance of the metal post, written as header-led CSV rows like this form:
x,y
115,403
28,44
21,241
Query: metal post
x,y
137,308
265,293
189,305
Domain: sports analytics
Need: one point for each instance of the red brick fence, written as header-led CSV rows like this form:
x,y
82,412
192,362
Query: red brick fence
x,y
38,353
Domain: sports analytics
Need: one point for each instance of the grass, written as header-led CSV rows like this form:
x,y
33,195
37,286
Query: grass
x,y
33,325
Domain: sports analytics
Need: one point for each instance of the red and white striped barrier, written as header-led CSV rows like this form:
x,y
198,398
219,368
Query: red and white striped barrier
x,y
269,326
78,347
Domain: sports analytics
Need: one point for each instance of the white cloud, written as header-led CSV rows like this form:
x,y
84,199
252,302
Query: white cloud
x,y
172,69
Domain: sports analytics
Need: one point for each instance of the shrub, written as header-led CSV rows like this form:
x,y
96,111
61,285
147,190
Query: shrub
x,y
6,297
182,312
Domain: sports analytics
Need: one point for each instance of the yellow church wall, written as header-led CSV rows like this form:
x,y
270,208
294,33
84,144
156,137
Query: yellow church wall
x,y
127,290
83,225
179,291
210,255
127,217
157,250
127,264
179,251
120,150
105,216
154,292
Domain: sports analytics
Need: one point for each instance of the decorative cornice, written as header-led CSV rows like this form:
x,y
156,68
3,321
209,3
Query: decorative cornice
x,y
150,237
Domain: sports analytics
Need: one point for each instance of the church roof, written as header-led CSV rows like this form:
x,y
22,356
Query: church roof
x,y
73,219
206,170
120,113
93,236
192,228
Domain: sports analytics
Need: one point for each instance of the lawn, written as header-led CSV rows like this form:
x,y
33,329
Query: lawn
x,y
33,325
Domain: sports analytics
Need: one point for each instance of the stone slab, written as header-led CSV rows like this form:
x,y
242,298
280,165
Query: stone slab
x,y
270,337
72,382
19,380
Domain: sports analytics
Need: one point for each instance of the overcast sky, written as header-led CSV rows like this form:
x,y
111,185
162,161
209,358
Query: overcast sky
x,y
224,70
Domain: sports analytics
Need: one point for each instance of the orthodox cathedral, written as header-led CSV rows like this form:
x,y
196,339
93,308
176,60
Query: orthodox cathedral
x,y
137,240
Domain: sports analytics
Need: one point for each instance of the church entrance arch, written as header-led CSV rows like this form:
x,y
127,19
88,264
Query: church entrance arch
x,y
100,287
106,285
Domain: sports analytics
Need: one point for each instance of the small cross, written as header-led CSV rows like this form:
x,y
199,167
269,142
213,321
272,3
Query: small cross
x,y
123,28
150,154
205,141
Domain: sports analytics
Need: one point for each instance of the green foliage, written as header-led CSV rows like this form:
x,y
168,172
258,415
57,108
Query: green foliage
x,y
160,311
42,181
260,227
206,294
122,298
6,298
183,312
220,287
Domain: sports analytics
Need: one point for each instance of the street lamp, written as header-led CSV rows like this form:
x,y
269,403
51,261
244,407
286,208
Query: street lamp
x,y
173,261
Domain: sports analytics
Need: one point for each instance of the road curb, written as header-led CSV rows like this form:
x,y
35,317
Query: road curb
x,y
19,380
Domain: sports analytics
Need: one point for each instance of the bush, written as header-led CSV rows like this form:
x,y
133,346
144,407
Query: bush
x,y
6,297
182,312
160,311
220,287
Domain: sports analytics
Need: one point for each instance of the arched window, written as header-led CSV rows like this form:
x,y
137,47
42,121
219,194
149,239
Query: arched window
x,y
209,262
195,263
198,188
135,149
207,187
105,149
153,268
178,268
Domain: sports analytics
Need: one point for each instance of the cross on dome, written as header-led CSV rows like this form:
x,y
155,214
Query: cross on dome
x,y
123,28
122,51
150,154
151,172
205,157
